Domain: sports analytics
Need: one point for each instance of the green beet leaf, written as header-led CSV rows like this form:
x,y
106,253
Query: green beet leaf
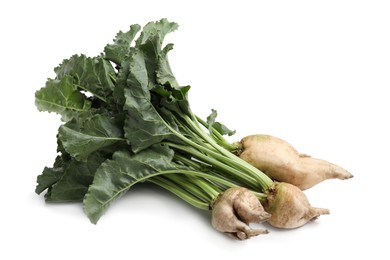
x,y
172,96
164,73
153,34
119,51
150,85
93,75
120,134
222,129
48,178
80,139
75,180
143,125
150,43
115,177
51,175
62,97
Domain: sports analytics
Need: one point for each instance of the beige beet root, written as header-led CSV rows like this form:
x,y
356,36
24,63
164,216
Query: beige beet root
x,y
234,209
289,207
281,162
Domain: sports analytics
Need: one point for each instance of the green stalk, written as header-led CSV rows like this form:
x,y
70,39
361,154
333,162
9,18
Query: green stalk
x,y
234,162
188,162
195,190
248,180
197,174
218,137
180,188
264,181
225,157
197,186
202,167
181,193
206,187
188,185
226,160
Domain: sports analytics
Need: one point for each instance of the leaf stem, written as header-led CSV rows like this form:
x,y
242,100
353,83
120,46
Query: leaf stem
x,y
181,193
248,180
264,181
218,137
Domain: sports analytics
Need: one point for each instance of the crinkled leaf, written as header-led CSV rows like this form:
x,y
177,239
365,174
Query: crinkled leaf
x,y
48,178
118,97
155,32
150,43
115,177
151,84
173,96
90,74
80,139
222,129
62,97
143,125
164,73
52,175
119,51
75,180
175,100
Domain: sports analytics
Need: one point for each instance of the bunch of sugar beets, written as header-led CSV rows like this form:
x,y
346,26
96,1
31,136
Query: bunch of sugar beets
x,y
126,120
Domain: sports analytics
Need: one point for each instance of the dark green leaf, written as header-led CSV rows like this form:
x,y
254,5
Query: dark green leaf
x,y
164,73
150,43
52,175
174,96
143,125
120,49
75,180
149,72
118,97
62,97
90,74
222,129
115,177
48,178
80,139
155,32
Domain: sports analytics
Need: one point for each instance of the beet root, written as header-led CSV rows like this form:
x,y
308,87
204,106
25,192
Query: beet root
x,y
290,207
281,162
234,209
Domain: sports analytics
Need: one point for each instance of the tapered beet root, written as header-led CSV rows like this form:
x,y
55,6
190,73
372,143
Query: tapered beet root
x,y
234,209
289,207
281,162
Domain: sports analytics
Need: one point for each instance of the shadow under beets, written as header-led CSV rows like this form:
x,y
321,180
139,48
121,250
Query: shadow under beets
x,y
151,190
145,192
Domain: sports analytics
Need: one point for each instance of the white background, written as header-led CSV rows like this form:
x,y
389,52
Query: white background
x,y
315,73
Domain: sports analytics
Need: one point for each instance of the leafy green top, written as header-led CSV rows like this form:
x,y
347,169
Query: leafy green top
x,y
126,119
112,125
